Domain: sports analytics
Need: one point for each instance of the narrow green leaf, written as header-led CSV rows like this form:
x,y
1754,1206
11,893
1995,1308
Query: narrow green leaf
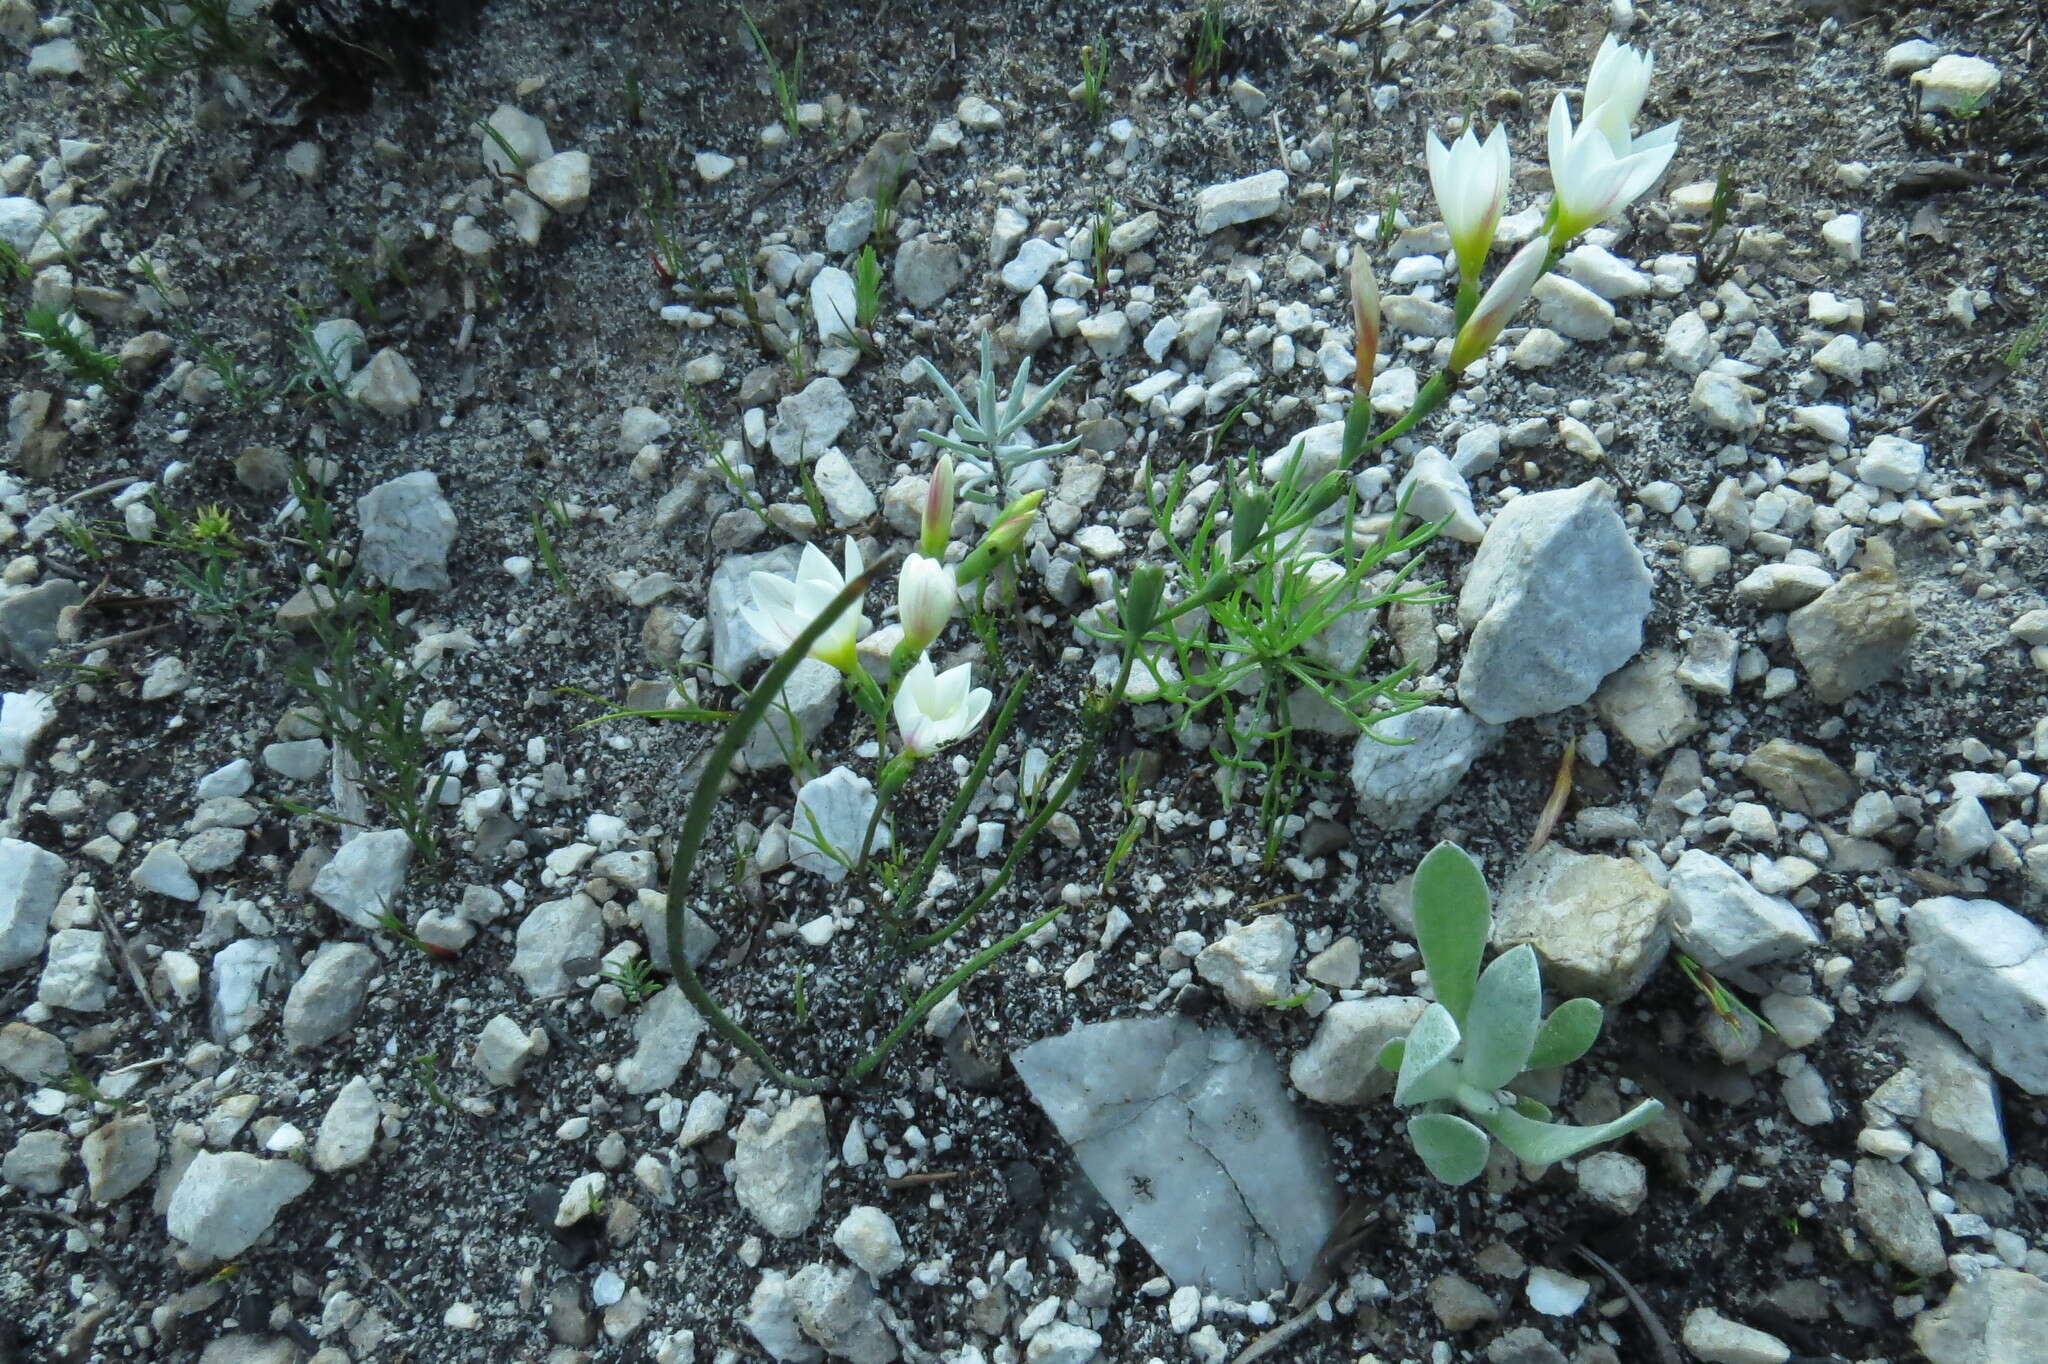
x,y
1500,1027
1567,1034
1425,1073
1452,918
1452,1148
1546,1143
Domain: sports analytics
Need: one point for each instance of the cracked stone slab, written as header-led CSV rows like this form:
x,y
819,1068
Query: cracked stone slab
x,y
1189,1135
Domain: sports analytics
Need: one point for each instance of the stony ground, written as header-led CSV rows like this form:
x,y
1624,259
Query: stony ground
x,y
1752,514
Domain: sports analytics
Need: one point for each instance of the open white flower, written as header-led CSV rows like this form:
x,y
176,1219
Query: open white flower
x,y
935,708
926,595
1600,168
1503,298
1470,179
1617,83
783,608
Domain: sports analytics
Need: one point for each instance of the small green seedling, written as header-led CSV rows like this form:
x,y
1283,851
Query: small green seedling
x,y
1389,225
784,79
1205,60
986,428
67,349
1713,267
867,289
2023,345
634,978
1094,67
1458,1063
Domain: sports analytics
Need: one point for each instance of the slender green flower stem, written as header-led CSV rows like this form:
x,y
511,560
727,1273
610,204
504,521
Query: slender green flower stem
x,y
1097,725
697,821
895,914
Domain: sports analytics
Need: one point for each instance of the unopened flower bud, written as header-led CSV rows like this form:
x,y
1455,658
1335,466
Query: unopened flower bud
x,y
1365,319
926,595
937,526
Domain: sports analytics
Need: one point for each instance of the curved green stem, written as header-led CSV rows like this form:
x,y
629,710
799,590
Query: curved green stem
x,y
697,821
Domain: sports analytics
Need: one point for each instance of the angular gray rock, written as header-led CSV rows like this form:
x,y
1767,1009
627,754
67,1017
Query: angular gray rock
x,y
666,1033
837,1309
1554,601
809,420
868,1237
226,1200
502,1051
1063,1342
76,975
831,818
1341,1066
1959,1110
1728,925
1597,922
30,1054
31,879
326,1000
1854,635
120,1156
779,1166
1985,972
771,1321
1253,964
408,529
364,877
37,1161
1893,1213
650,913
241,972
28,621
553,935
1994,1318
928,269
1434,747
1240,201
1800,778
1188,1134
809,701
735,645
1646,704
349,1128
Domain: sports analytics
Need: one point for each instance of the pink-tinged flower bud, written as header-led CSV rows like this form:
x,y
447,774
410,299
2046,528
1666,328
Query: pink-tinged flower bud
x,y
937,527
1503,298
1002,539
1365,320
926,596
1008,531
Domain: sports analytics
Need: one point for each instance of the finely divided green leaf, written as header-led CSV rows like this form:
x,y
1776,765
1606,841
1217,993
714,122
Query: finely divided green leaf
x,y
1567,1034
1452,917
1500,1028
1452,1148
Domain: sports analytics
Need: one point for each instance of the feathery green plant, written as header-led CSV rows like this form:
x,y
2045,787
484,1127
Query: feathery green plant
x,y
65,349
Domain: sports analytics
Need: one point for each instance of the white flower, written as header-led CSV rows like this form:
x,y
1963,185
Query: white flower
x,y
1500,302
783,609
1471,183
1599,168
934,708
1617,83
926,595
